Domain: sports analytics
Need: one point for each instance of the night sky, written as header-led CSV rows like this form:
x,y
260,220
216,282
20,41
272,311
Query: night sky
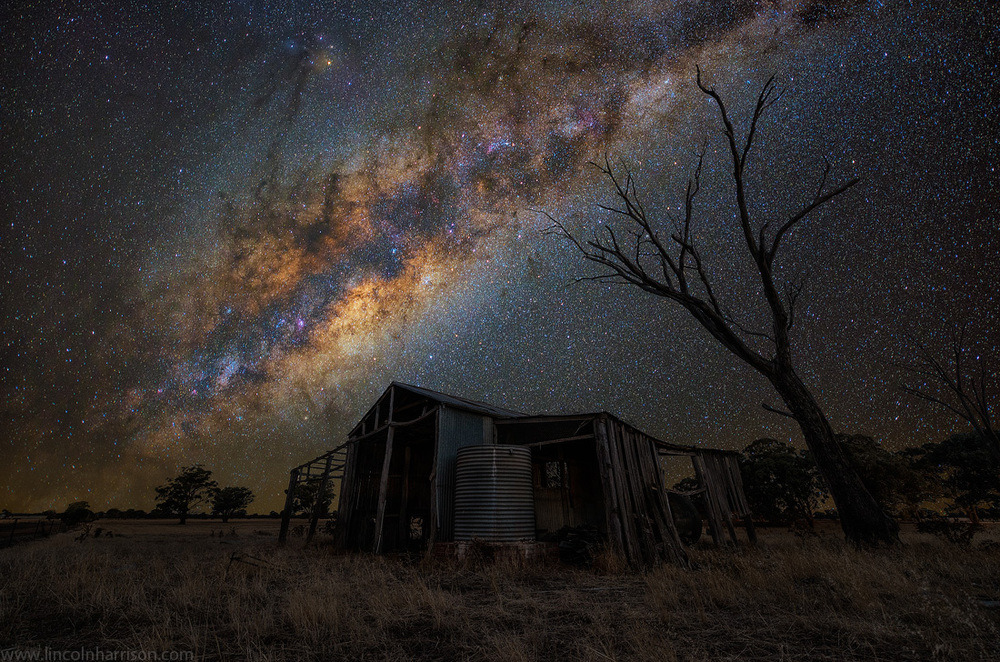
x,y
228,226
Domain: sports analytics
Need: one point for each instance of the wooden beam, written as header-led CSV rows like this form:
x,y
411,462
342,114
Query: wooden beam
x,y
536,444
394,424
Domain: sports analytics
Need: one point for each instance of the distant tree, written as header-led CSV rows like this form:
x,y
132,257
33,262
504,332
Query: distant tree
x,y
135,513
179,495
781,482
231,502
50,514
965,470
5,514
892,478
668,263
77,513
962,381
305,497
114,513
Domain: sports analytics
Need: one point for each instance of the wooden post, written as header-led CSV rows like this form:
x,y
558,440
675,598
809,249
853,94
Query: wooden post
x,y
286,514
611,507
314,519
720,494
383,490
432,534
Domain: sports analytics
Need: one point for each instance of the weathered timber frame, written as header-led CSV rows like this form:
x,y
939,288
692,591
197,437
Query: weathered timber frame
x,y
637,514
395,476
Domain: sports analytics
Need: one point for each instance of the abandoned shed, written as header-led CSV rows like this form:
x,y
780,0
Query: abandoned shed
x,y
423,468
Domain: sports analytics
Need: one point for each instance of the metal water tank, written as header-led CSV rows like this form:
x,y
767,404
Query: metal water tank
x,y
493,494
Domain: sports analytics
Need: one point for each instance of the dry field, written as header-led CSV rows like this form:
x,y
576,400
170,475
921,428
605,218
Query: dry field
x,y
162,587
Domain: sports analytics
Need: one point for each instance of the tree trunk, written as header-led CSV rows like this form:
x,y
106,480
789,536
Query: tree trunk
x,y
861,517
225,519
184,518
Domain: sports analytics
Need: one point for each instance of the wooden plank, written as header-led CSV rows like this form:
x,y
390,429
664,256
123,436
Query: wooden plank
x,y
718,490
644,512
722,485
628,493
383,490
614,526
536,444
672,537
625,513
736,479
703,482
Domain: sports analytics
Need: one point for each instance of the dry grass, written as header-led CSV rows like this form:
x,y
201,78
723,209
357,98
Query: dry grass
x,y
163,587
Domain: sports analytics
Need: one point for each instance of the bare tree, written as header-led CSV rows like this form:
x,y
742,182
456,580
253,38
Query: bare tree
x,y
673,267
963,382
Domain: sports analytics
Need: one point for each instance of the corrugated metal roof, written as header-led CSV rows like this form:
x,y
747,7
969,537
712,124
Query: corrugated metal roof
x,y
460,403
520,417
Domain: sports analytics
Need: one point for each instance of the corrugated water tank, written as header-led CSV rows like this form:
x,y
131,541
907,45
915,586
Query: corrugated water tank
x,y
493,494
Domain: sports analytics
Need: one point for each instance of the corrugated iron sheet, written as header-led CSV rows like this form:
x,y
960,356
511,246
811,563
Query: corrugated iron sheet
x,y
493,494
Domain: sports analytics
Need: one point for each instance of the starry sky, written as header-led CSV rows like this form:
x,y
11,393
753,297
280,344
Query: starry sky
x,y
228,226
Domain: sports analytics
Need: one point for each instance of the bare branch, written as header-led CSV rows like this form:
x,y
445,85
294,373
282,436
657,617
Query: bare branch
x,y
792,293
668,272
953,385
769,95
776,410
746,330
818,200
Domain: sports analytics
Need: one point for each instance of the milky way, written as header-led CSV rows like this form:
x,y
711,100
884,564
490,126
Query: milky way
x,y
230,228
